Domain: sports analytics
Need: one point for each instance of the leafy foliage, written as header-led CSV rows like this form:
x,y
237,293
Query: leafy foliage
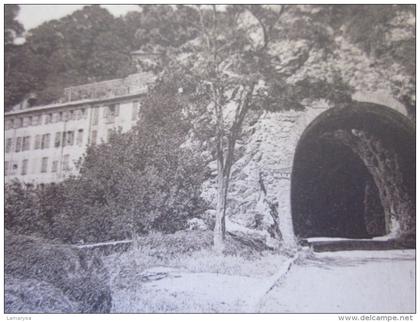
x,y
80,282
137,182
92,45
88,45
144,177
13,28
217,61
243,59
386,34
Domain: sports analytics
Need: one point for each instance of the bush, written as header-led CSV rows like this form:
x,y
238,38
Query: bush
x,y
19,208
140,181
161,245
34,296
181,242
52,268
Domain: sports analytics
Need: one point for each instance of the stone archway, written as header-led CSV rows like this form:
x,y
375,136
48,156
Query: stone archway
x,y
353,174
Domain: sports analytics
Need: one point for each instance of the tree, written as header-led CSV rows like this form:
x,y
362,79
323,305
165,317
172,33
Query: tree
x,y
164,26
142,180
383,58
234,61
219,63
12,27
29,210
88,45
16,85
390,43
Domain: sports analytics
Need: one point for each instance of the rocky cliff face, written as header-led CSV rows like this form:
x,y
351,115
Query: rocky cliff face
x,y
259,193
260,187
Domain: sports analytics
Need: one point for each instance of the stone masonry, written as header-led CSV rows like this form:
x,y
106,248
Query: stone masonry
x,y
260,188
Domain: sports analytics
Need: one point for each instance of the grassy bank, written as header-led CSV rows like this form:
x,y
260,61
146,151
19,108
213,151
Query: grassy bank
x,y
42,277
185,252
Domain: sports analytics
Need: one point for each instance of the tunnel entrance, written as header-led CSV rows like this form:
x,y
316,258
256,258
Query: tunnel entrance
x,y
354,175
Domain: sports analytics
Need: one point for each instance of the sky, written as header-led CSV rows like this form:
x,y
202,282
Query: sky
x,y
33,15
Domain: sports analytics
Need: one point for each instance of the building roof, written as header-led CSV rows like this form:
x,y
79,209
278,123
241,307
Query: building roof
x,y
74,103
97,92
109,88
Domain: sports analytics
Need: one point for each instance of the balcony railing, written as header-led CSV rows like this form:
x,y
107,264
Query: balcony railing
x,y
134,83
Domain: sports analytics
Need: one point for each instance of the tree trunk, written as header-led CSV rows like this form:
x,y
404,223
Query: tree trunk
x,y
225,157
220,226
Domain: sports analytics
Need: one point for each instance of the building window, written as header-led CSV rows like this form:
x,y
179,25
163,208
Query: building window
x,y
84,113
79,140
57,117
37,144
17,123
9,124
18,144
24,170
69,115
78,114
68,138
26,143
94,137
9,145
57,140
35,120
95,116
115,109
54,167
39,120
26,122
45,143
6,168
135,110
111,112
66,162
44,165
107,115
48,118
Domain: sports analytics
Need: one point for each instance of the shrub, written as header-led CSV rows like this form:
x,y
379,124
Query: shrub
x,y
34,296
55,268
140,181
29,210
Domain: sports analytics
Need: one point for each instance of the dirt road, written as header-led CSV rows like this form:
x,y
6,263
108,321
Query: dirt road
x,y
347,282
339,282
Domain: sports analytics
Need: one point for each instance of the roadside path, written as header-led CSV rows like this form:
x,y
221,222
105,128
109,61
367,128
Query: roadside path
x,y
347,282
337,282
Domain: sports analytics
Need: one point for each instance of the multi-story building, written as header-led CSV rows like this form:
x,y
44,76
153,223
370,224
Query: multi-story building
x,y
44,143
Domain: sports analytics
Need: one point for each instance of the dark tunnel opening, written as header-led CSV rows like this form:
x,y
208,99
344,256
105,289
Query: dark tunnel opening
x,y
354,174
